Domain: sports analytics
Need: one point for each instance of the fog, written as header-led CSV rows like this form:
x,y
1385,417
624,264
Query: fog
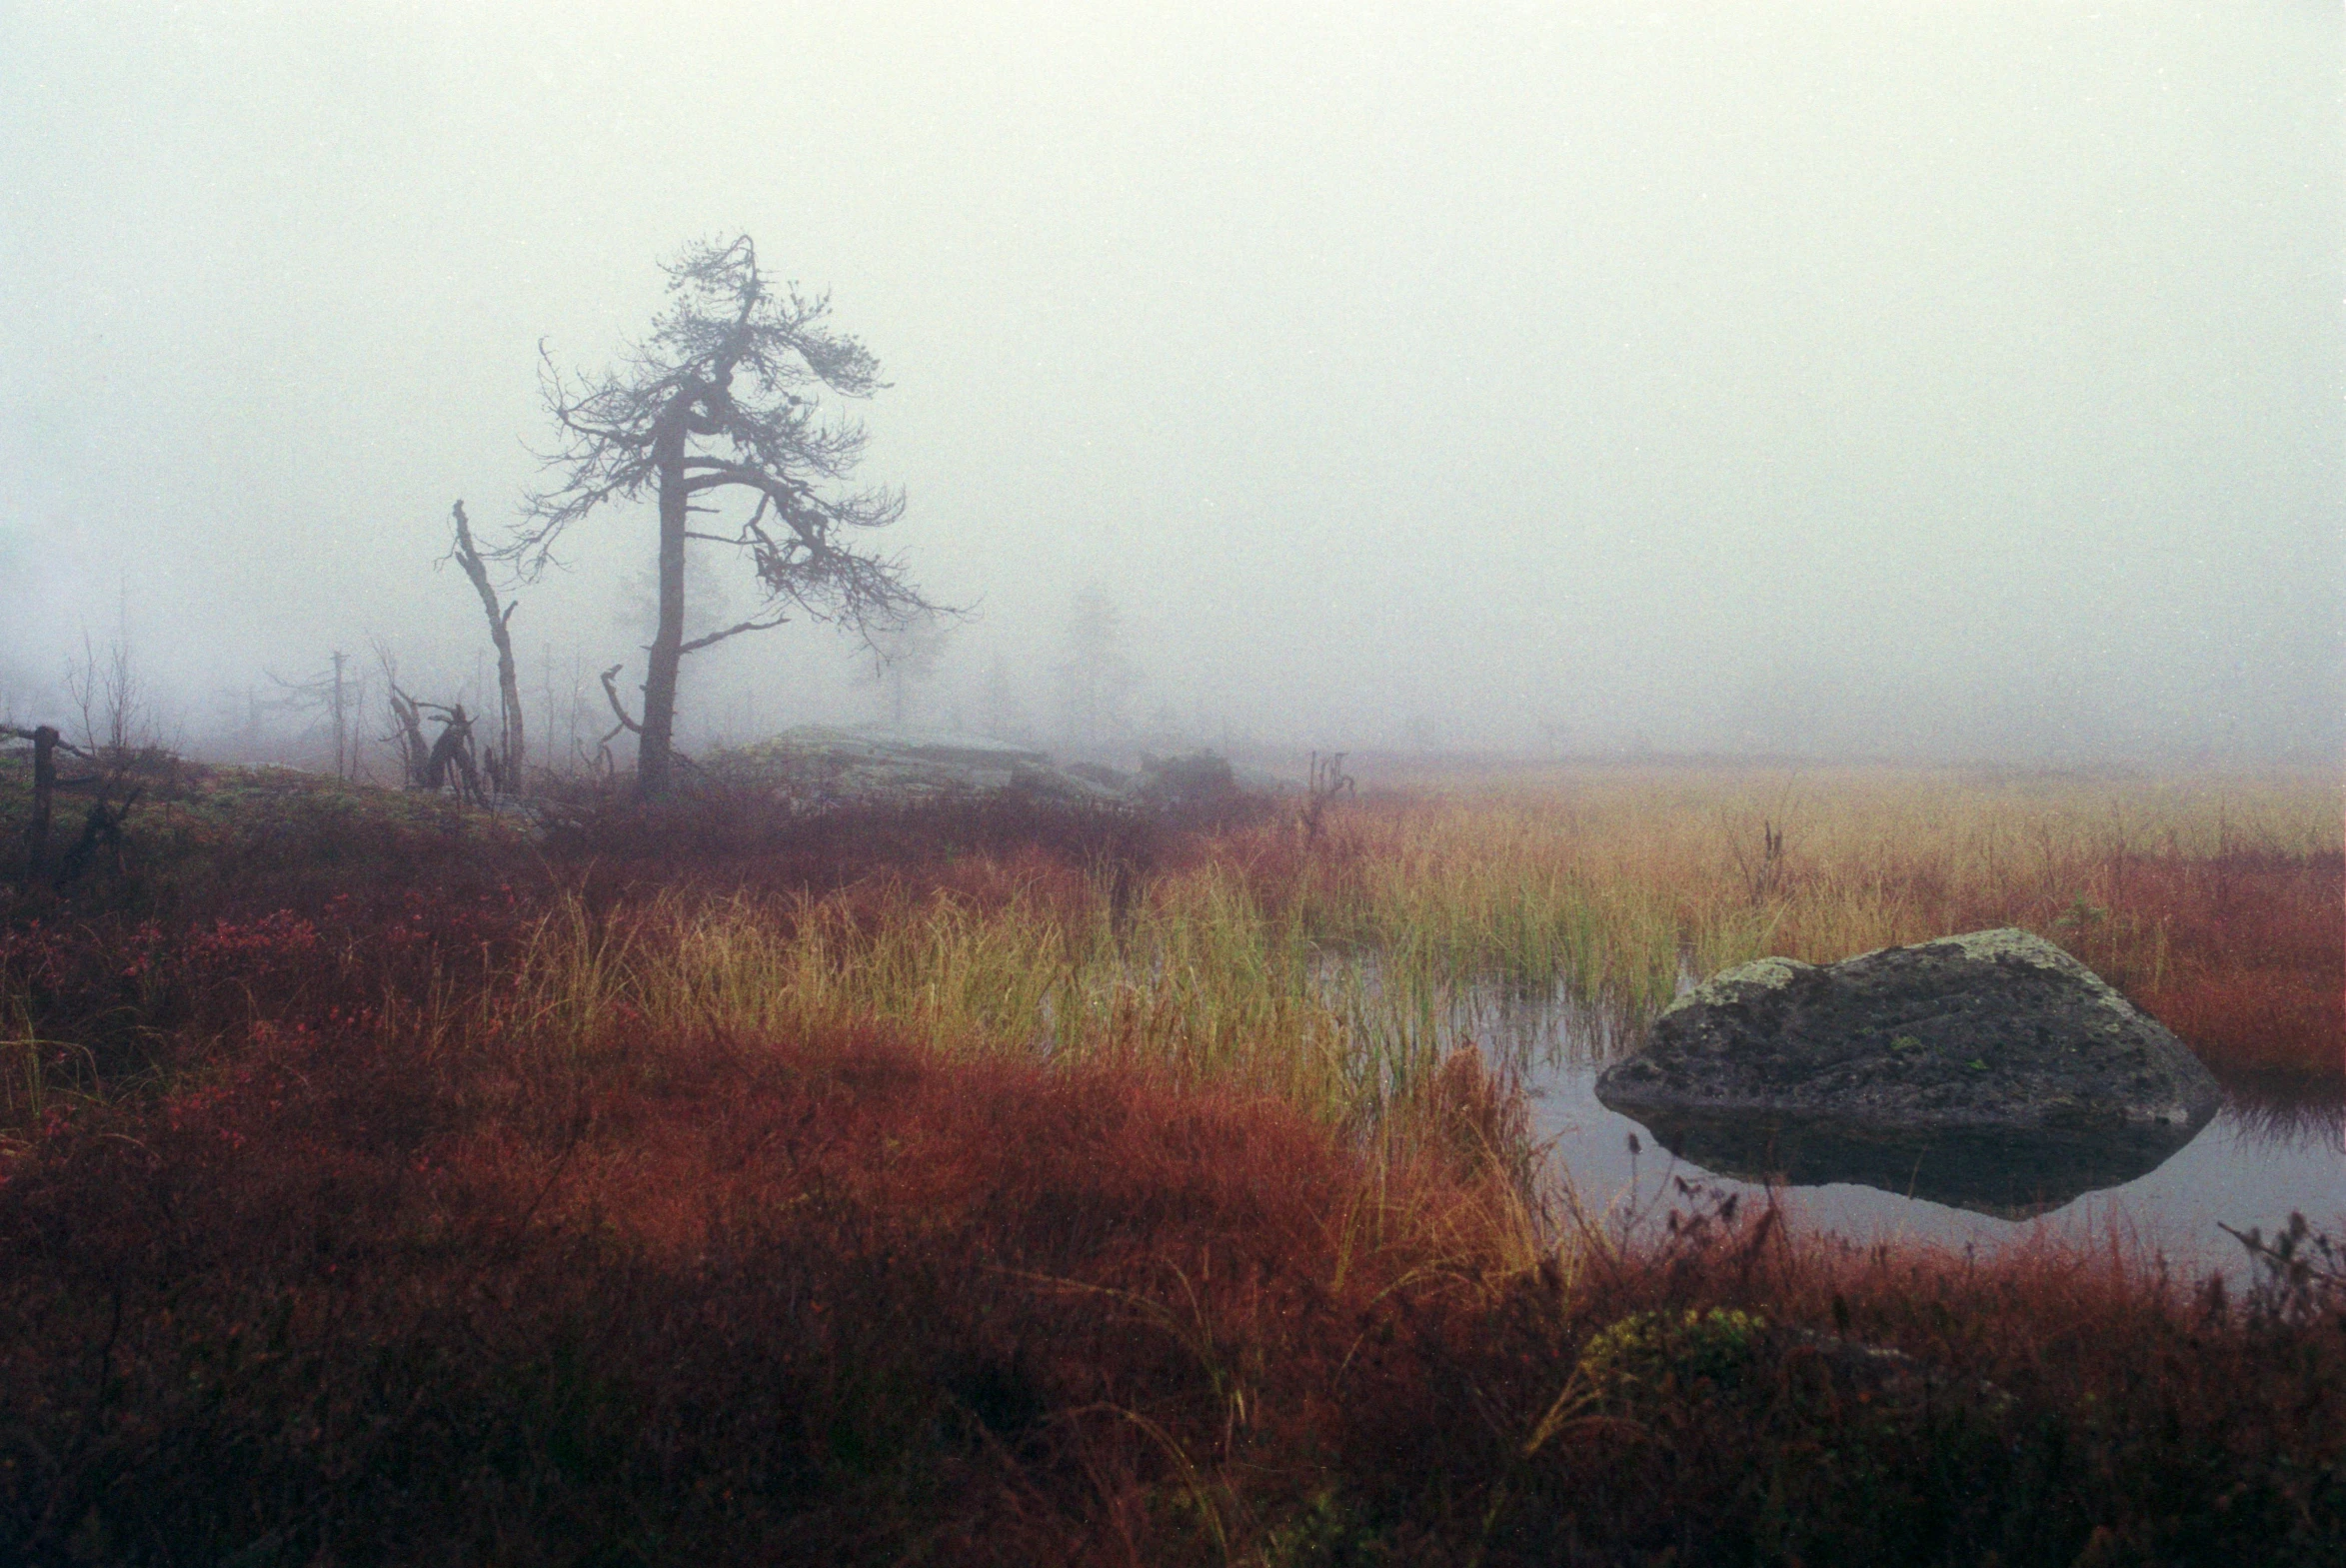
x,y
1922,381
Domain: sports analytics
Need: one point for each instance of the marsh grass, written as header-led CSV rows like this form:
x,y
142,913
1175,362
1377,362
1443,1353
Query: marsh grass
x,y
1335,974
1197,985
985,1190
1333,971
2218,904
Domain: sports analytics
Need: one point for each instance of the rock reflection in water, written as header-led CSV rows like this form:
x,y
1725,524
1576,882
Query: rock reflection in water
x,y
2264,1156
2007,1174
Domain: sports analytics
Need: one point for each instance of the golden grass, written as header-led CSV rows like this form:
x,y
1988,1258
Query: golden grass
x,y
1869,857
1325,973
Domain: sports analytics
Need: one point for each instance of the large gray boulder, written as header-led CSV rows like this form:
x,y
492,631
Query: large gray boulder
x,y
1990,1071
816,766
821,764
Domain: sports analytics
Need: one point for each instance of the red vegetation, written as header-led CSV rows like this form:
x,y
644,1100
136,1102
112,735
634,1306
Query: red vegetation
x,y
839,1300
2241,954
2255,972
323,1291
798,1280
615,848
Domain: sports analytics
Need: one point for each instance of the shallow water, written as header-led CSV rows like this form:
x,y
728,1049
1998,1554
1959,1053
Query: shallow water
x,y
2253,1165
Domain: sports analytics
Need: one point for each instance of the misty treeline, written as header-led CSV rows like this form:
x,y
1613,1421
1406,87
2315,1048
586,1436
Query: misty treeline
x,y
726,419
366,712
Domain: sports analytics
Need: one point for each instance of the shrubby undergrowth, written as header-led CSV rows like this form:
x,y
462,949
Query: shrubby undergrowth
x,y
988,1185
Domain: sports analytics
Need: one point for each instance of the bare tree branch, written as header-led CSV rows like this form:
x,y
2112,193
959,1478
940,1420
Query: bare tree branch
x,y
764,625
611,690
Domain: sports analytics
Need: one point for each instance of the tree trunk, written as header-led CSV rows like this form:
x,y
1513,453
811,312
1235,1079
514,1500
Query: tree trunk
x,y
508,692
659,726
415,752
341,728
44,792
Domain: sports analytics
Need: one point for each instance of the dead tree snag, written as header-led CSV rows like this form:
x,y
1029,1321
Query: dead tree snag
x,y
505,759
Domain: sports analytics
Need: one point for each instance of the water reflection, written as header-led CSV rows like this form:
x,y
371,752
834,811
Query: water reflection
x,y
2243,1169
2009,1175
2266,1154
2287,1113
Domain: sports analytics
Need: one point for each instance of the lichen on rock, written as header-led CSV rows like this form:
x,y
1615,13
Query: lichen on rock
x,y
1993,1056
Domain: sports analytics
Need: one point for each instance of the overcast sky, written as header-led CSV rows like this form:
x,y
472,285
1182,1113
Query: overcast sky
x,y
1931,379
